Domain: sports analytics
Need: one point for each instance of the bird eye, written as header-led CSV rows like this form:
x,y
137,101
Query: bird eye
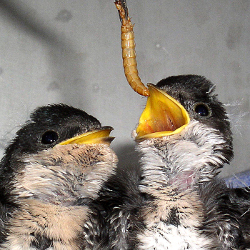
x,y
49,137
202,109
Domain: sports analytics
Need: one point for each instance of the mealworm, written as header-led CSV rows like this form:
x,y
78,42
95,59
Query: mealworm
x,y
128,52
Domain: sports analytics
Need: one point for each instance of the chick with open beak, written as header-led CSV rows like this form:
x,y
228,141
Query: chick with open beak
x,y
184,139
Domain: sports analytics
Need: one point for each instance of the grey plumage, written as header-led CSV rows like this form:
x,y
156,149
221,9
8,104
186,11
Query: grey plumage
x,y
183,209
47,189
175,200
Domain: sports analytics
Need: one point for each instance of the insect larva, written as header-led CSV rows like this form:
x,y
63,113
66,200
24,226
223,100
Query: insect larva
x,y
128,53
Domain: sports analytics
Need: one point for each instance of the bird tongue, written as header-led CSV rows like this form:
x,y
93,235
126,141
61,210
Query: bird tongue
x,y
162,116
95,136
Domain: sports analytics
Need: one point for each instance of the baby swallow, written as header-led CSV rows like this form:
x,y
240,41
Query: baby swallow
x,y
184,139
50,174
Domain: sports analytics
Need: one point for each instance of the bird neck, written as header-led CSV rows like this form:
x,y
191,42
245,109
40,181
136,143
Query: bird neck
x,y
64,174
182,161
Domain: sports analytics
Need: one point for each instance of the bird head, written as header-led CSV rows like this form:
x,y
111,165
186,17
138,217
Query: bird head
x,y
59,155
59,124
184,112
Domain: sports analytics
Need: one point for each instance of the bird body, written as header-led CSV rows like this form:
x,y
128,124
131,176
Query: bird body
x,y
60,189
48,186
183,143
173,167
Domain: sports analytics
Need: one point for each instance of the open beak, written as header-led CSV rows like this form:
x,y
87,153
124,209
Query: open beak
x,y
95,136
162,116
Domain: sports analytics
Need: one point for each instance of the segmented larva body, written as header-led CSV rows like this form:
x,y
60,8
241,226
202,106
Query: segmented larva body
x,y
128,53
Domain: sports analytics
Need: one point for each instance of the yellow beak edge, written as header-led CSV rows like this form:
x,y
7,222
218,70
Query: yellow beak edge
x,y
162,116
95,136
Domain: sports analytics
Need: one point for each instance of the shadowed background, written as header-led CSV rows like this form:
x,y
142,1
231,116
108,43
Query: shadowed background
x,y
68,51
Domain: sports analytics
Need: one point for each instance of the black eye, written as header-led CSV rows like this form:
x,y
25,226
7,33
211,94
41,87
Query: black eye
x,y
202,109
49,137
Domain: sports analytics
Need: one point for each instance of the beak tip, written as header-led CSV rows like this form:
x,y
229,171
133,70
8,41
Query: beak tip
x,y
101,135
111,138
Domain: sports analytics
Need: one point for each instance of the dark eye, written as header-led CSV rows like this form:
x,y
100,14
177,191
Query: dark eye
x,y
49,137
202,109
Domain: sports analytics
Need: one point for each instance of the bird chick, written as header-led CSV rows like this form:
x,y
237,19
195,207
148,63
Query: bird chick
x,y
50,174
184,139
